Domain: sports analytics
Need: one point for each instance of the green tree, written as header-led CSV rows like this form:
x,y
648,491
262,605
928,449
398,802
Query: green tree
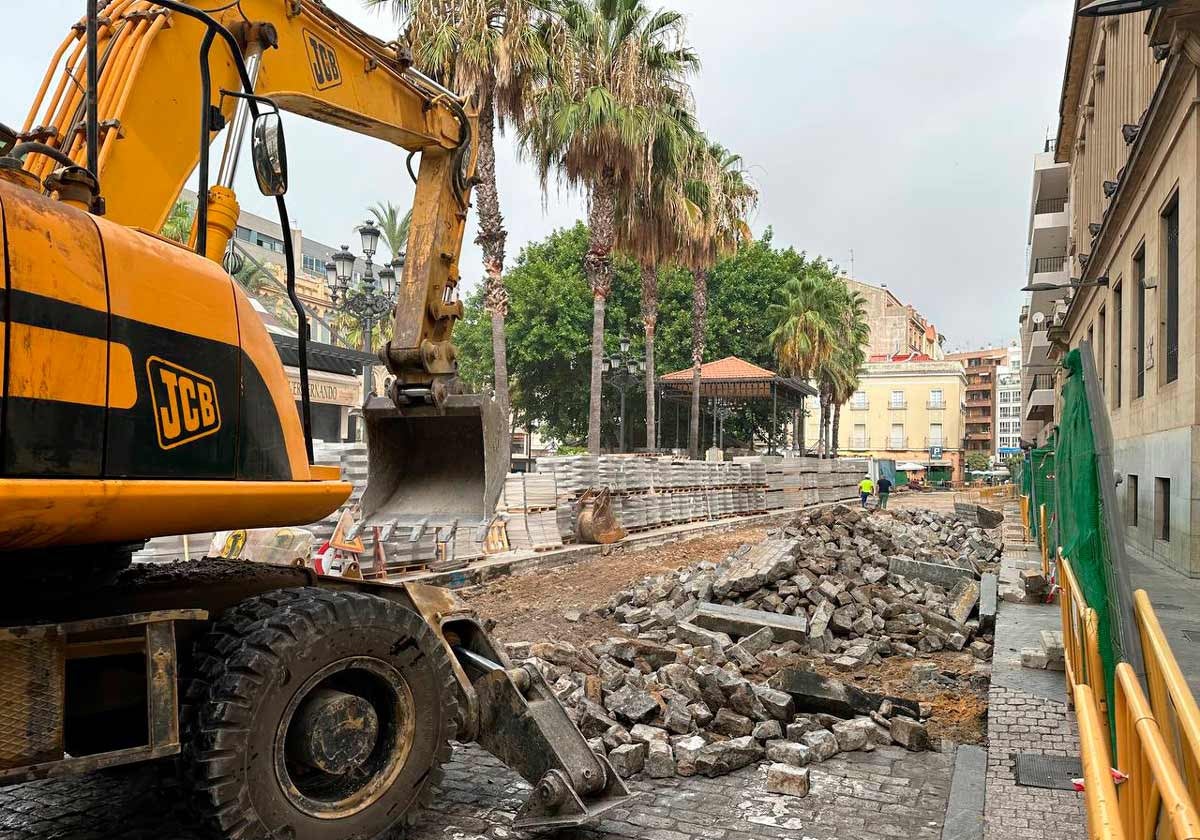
x,y
977,461
618,74
393,226
488,51
178,225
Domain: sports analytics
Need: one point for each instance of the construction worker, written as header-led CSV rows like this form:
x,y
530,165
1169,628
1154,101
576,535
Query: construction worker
x,y
865,488
884,488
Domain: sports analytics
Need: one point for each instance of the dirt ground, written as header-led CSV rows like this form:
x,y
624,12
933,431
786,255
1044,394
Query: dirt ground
x,y
529,608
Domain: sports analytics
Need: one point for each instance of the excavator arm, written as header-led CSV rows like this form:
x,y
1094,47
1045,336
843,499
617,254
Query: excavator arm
x,y
308,61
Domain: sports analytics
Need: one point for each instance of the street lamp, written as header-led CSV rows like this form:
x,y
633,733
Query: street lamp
x,y
1073,283
624,370
1108,8
368,298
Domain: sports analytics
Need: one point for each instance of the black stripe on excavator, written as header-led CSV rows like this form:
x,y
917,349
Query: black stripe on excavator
x,y
52,437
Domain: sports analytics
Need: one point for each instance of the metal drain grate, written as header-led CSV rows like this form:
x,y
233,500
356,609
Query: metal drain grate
x,y
1048,771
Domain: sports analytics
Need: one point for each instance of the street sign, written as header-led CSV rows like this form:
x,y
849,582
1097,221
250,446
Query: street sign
x,y
935,453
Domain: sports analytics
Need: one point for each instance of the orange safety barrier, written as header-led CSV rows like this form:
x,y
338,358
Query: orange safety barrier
x,y
1099,790
1081,641
1154,803
1171,699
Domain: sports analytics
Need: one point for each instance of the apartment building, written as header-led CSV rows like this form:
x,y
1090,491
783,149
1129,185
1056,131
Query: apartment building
x,y
896,327
908,408
1049,264
1129,130
979,409
1008,404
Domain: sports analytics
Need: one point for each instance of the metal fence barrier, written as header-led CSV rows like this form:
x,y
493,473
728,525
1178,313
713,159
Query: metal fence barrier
x,y
1099,788
1081,642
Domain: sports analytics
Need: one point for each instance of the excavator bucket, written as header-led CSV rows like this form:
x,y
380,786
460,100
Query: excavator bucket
x,y
597,521
434,466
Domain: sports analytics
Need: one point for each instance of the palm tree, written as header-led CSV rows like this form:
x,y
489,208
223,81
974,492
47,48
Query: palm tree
x,y
617,74
488,51
849,356
253,277
805,328
718,187
178,225
393,226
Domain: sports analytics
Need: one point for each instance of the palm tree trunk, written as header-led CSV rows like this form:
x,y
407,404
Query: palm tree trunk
x,y
837,419
798,427
492,237
823,439
597,265
699,315
650,323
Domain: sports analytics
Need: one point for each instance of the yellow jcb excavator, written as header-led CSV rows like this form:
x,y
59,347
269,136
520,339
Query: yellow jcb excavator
x,y
143,397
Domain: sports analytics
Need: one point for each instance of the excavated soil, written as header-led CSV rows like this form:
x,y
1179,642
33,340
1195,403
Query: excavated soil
x,y
529,608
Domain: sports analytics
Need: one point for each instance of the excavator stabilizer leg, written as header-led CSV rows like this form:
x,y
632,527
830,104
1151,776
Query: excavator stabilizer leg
x,y
512,713
436,466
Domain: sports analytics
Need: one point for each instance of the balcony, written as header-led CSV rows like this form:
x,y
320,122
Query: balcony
x,y
936,405
859,405
939,442
982,434
1050,205
894,442
897,405
858,443
1040,398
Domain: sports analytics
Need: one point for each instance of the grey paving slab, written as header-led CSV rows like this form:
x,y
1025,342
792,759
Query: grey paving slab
x,y
968,789
1176,600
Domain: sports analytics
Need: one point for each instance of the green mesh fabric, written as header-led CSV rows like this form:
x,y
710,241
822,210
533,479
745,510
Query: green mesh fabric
x,y
1042,467
1080,528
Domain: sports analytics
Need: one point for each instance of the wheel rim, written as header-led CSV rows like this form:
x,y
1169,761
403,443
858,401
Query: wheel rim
x,y
344,737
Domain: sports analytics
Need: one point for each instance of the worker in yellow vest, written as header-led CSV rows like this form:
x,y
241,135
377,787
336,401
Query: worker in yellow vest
x,y
865,488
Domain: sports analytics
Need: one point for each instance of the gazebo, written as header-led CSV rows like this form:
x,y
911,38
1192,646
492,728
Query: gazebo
x,y
733,380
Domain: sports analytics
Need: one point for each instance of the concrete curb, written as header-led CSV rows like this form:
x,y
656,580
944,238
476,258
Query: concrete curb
x,y
968,789
529,561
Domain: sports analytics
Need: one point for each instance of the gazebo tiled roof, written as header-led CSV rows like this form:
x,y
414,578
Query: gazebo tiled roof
x,y
733,377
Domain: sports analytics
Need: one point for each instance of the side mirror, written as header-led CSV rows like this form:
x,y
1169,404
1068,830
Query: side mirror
x,y
270,154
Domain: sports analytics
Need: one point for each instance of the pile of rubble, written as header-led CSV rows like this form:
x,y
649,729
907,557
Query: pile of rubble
x,y
720,664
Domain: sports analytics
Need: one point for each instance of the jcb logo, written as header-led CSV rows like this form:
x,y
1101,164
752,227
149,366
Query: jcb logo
x,y
322,60
185,403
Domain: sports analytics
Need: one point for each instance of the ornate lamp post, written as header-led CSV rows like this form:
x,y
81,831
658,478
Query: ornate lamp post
x,y
624,370
371,297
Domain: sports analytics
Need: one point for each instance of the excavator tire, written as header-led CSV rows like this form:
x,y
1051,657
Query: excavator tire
x,y
314,715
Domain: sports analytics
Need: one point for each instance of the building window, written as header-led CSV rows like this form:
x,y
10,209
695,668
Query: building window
x,y
1131,501
1101,369
935,434
1139,323
1118,346
937,399
1171,292
897,400
896,441
858,439
1162,508
242,233
859,400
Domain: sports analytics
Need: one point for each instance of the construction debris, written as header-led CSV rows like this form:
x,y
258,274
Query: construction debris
x,y
720,664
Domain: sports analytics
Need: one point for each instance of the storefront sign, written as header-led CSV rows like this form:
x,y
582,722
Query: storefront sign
x,y
327,388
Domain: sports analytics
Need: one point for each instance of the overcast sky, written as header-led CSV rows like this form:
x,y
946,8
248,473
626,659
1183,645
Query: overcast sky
x,y
901,130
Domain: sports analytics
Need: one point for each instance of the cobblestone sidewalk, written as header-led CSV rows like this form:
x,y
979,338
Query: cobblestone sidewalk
x,y
885,794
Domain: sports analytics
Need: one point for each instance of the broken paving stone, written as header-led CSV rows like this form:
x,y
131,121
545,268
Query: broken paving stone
x,y
630,651
815,693
822,744
726,756
628,760
594,720
981,649
701,714
757,641
732,724
632,705
853,734
779,704
678,720
596,745
744,701
787,780
660,760
686,753
788,752
820,619
573,616
616,736
768,730
700,636
963,599
909,734
803,725
736,621
645,734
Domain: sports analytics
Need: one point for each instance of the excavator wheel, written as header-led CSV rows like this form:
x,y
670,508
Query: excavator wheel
x,y
315,715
